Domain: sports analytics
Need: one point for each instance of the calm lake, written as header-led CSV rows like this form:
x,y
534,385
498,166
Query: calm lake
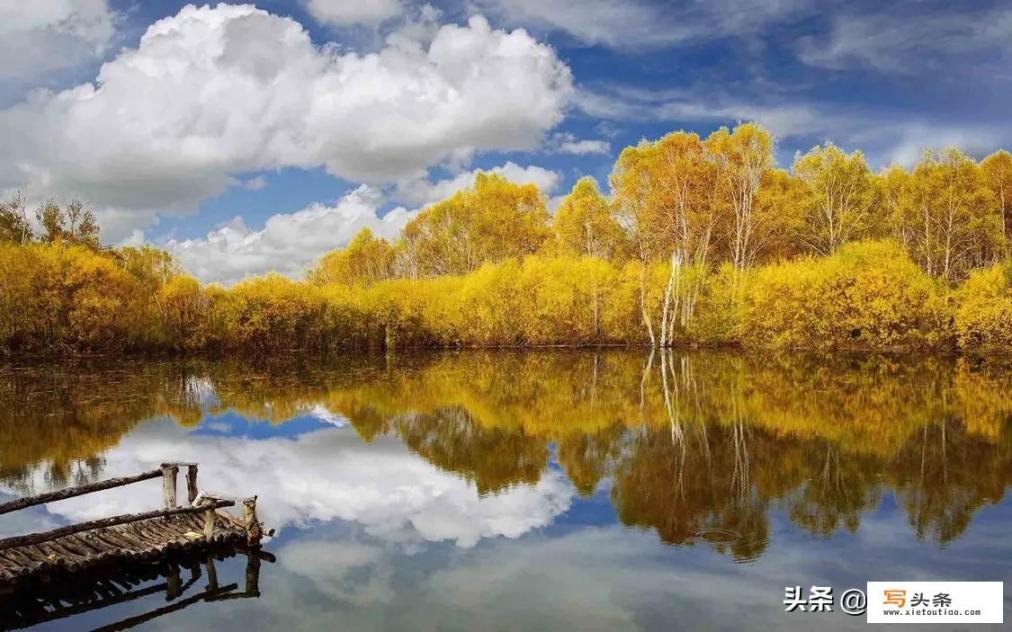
x,y
537,490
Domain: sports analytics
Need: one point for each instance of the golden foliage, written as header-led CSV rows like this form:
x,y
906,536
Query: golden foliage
x,y
947,218
984,309
867,295
584,225
364,261
838,197
492,221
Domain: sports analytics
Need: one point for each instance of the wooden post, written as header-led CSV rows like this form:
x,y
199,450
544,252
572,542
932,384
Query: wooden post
x,y
252,574
173,583
169,485
212,573
191,482
209,517
250,522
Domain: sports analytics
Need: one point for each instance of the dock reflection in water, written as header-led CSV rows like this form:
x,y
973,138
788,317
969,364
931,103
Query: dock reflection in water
x,y
183,581
436,490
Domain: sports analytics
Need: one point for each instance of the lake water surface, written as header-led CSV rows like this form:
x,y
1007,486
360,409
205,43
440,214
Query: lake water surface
x,y
538,490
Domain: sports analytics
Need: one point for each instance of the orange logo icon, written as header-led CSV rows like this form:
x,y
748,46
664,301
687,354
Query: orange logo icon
x,y
895,598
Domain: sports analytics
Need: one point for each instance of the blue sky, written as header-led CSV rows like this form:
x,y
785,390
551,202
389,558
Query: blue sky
x,y
247,139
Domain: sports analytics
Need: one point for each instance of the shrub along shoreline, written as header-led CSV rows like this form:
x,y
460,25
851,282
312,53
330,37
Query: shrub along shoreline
x,y
58,299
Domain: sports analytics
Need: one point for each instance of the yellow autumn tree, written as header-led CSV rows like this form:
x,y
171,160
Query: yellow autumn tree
x,y
701,241
584,224
947,216
494,220
838,200
997,172
15,227
364,261
742,158
779,202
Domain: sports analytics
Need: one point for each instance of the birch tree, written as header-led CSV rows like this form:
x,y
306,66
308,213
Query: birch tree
x,y
742,158
838,199
997,172
950,217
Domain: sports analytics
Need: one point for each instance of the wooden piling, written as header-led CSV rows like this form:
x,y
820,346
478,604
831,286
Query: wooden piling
x,y
212,574
191,482
253,574
169,473
250,522
173,583
209,517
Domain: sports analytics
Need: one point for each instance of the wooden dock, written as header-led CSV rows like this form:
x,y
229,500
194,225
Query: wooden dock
x,y
126,538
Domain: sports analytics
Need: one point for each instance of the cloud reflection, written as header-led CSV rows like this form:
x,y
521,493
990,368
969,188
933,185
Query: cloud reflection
x,y
326,475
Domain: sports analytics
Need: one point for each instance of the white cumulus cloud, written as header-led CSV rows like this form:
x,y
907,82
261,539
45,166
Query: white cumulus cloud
x,y
565,143
37,36
422,192
212,92
288,242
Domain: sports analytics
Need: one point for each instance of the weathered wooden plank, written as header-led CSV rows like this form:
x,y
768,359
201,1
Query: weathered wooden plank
x,y
24,540
64,556
34,555
76,546
136,540
16,562
85,545
70,492
147,530
115,546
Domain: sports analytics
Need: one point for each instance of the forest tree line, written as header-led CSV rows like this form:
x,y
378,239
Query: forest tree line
x,y
700,241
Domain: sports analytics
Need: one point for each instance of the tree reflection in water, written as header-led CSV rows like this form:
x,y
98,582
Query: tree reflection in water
x,y
699,447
